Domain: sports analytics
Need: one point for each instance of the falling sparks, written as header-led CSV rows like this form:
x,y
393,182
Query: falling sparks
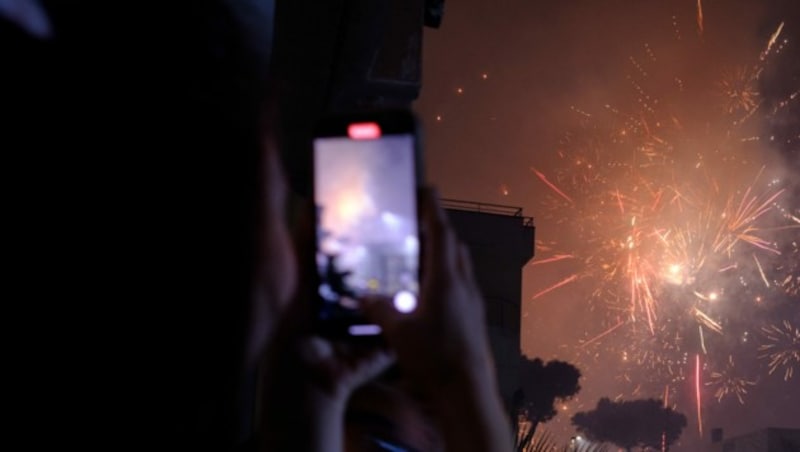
x,y
604,333
551,185
555,286
702,339
698,400
664,434
707,321
772,40
700,17
556,258
761,271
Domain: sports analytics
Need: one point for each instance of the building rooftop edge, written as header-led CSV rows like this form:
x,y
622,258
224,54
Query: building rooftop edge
x,y
482,207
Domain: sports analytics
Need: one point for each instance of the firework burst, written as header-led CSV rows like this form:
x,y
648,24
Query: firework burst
x,y
738,91
689,237
727,381
782,350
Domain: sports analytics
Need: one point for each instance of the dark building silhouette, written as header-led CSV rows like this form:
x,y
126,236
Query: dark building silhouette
x,y
501,242
765,440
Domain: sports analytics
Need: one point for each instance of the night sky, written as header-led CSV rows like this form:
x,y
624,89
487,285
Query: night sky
x,y
676,116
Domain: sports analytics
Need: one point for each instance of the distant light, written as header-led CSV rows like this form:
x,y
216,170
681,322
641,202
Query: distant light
x,y
405,301
411,244
364,131
390,219
713,296
438,117
327,293
484,76
460,90
364,330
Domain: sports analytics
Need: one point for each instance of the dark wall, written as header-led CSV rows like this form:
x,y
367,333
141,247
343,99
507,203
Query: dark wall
x,y
500,245
333,56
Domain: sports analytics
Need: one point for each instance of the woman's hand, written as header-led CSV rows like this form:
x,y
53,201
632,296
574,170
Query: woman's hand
x,y
443,346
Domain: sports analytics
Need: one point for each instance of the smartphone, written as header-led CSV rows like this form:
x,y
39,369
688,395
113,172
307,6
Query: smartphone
x,y
366,174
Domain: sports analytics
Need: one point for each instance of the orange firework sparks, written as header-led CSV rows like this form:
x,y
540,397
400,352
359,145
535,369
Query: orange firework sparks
x,y
604,333
782,349
680,243
703,318
742,223
729,383
739,92
761,271
555,286
697,394
556,258
551,185
772,40
700,17
664,434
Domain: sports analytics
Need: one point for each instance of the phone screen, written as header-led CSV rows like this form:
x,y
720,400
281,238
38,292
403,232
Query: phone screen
x,y
367,229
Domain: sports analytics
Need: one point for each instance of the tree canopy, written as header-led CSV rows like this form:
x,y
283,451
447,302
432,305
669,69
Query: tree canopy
x,y
631,423
542,384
